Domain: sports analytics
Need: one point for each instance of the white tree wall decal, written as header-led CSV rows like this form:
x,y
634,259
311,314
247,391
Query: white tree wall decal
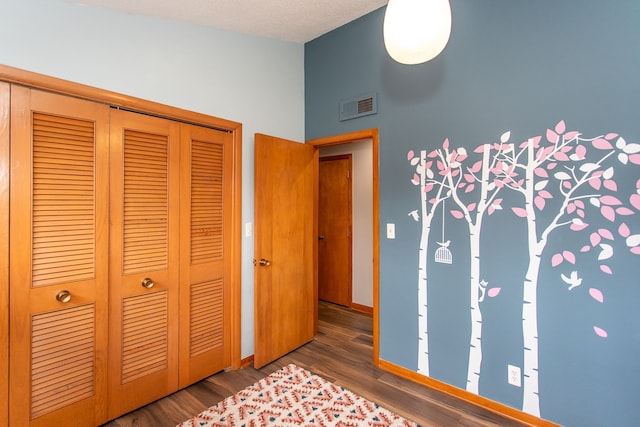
x,y
424,179
559,175
562,180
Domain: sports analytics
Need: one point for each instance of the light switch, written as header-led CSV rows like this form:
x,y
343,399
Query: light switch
x,y
391,231
248,229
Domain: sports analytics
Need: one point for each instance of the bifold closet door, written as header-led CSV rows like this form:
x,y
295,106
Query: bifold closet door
x,y
205,265
58,260
144,260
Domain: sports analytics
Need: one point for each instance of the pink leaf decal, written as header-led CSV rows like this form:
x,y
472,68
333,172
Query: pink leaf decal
x,y
605,233
445,144
580,204
569,256
602,144
428,187
479,149
471,207
596,294
586,248
624,211
416,178
556,260
570,135
552,136
545,194
635,250
457,214
470,188
493,292
635,159
600,332
595,239
610,200
611,136
410,155
581,150
606,269
635,201
623,230
608,213
491,210
469,177
536,140
539,202
595,183
432,154
522,213
578,227
541,172
476,167
561,127
560,156
610,184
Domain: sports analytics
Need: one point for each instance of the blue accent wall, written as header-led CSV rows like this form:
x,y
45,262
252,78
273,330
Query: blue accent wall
x,y
512,70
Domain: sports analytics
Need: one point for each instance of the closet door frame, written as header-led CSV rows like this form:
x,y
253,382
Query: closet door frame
x,y
116,100
4,253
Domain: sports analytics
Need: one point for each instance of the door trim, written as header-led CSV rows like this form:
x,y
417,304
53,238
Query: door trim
x,y
367,134
52,84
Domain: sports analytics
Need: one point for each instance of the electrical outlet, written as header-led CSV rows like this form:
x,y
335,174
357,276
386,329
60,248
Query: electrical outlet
x,y
514,376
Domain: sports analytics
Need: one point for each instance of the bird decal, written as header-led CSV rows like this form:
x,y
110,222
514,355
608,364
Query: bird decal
x,y
573,280
414,215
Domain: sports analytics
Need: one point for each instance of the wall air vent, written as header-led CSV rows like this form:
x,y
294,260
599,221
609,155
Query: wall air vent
x,y
358,107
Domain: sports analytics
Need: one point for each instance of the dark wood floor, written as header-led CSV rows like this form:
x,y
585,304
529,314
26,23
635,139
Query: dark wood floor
x,y
341,353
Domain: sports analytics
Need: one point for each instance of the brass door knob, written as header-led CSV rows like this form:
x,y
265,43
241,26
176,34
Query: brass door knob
x,y
147,283
63,296
263,262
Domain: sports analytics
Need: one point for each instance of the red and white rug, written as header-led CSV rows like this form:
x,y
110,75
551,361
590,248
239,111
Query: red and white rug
x,y
294,396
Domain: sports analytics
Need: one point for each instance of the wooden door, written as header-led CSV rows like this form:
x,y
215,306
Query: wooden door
x,y
144,260
58,262
285,292
334,228
205,255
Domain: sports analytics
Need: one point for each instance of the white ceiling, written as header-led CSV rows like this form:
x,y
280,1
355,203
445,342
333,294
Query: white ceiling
x,y
291,20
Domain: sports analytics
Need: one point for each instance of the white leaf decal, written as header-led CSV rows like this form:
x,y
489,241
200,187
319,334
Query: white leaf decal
x,y
429,174
541,185
632,148
620,143
608,174
589,167
623,158
505,136
633,240
562,176
595,201
415,161
606,253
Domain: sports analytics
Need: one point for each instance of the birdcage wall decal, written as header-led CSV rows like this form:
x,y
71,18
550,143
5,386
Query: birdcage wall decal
x,y
443,254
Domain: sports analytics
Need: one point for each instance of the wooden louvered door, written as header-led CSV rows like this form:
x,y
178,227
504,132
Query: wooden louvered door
x,y
205,194
58,263
143,326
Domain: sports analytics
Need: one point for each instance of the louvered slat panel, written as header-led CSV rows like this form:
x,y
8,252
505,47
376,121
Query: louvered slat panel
x,y
207,317
206,202
62,359
144,338
63,200
146,202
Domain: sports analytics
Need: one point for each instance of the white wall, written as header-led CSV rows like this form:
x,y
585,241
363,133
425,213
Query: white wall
x,y
362,205
256,81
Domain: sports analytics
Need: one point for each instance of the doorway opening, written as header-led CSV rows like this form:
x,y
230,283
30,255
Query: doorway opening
x,y
363,148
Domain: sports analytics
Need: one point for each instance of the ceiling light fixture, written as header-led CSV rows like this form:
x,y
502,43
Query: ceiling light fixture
x,y
416,31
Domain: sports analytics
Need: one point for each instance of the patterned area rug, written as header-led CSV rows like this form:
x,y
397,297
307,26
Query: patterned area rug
x,y
294,396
